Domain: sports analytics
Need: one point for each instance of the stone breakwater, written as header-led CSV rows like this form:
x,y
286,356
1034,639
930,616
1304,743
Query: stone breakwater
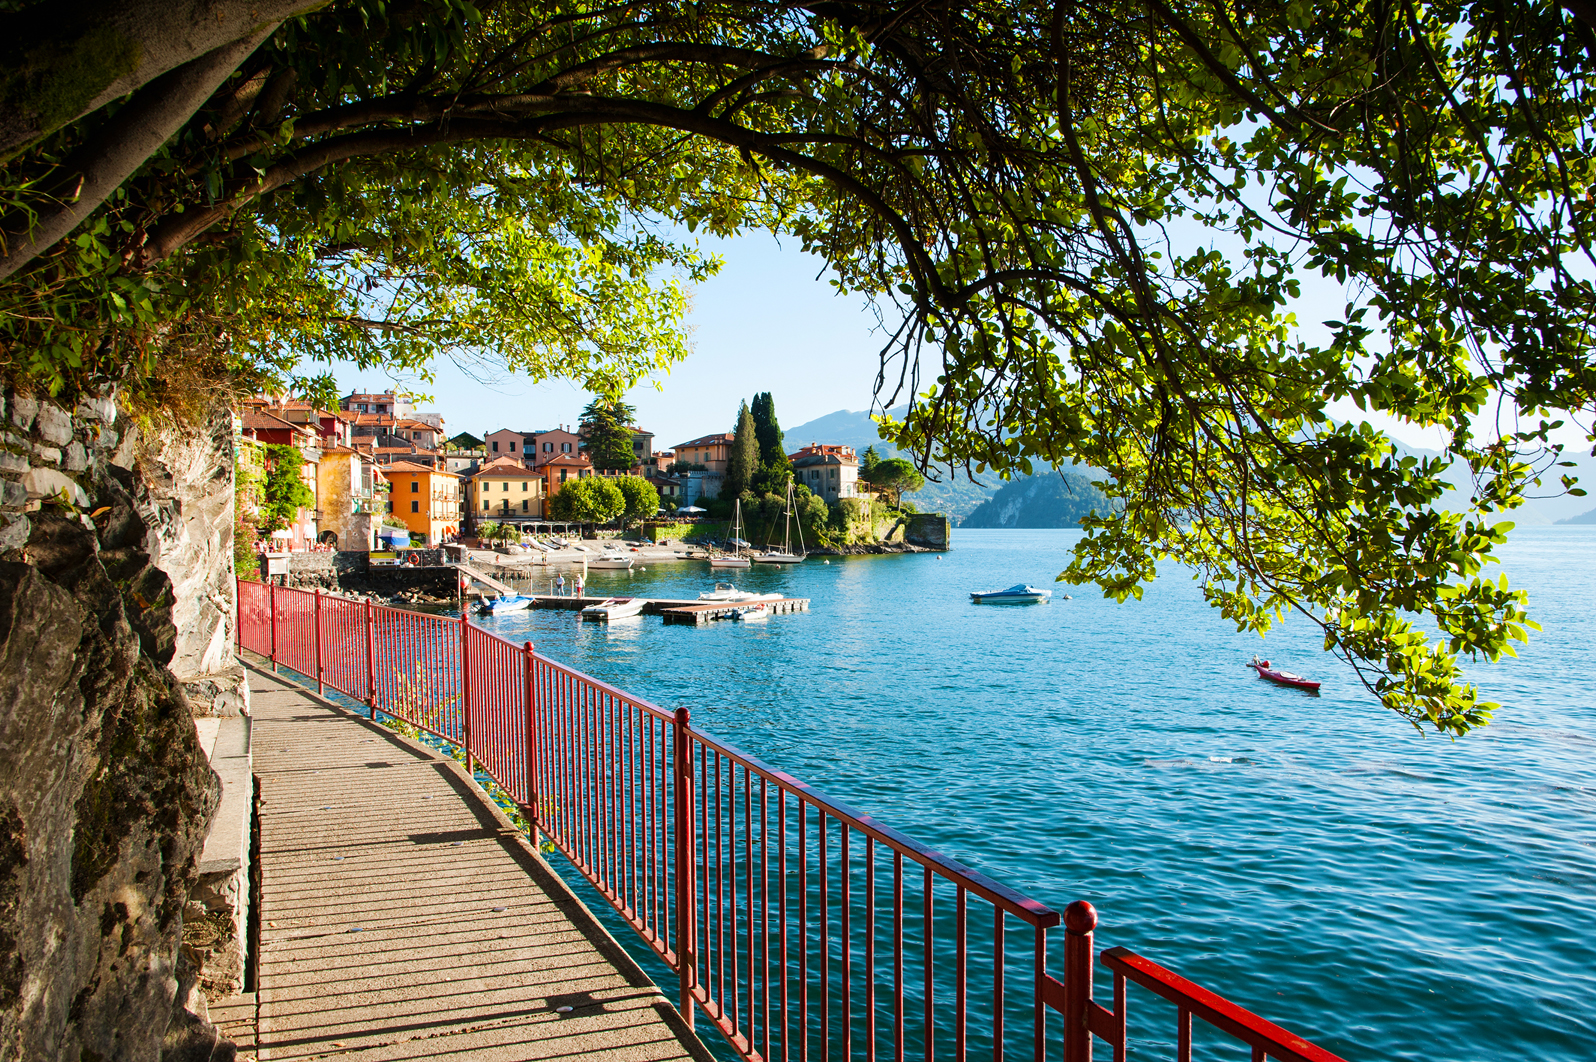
x,y
116,629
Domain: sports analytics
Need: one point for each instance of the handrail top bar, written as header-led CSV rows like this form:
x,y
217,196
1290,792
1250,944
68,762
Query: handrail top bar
x,y
1215,1009
1011,900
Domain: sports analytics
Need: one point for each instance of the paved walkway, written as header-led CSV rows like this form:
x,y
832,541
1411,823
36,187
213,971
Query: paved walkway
x,y
402,916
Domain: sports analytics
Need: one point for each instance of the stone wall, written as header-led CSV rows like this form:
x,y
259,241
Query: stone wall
x,y
929,531
106,795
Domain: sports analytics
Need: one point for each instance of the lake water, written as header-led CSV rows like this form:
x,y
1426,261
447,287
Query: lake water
x,y
1386,893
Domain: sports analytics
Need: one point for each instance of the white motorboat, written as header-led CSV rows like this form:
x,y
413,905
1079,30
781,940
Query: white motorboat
x,y
1018,594
735,558
785,554
613,608
495,606
728,592
750,612
612,560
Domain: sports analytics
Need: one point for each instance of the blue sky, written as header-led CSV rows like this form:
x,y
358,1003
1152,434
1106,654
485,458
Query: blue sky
x,y
766,323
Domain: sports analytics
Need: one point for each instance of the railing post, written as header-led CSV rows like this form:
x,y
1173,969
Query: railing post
x,y
271,611
371,663
686,888
319,688
529,750
238,613
1080,918
465,691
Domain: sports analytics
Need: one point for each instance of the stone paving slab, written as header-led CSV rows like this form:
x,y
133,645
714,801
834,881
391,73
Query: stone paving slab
x,y
404,917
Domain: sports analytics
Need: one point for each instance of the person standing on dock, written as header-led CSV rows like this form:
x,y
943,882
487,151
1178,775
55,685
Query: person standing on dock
x,y
559,585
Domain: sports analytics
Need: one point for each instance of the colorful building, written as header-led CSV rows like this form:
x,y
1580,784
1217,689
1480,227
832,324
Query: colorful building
x,y
711,451
426,500
505,490
830,472
561,468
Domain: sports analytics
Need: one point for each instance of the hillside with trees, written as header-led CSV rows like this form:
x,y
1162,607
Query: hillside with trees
x,y
1048,500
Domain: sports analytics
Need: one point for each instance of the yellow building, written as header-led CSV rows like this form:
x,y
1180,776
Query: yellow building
x,y
506,490
426,499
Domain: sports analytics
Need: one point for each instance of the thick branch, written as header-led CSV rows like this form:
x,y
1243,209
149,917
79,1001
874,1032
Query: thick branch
x,y
59,62
99,167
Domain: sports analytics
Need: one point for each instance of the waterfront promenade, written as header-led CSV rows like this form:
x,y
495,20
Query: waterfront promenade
x,y
403,916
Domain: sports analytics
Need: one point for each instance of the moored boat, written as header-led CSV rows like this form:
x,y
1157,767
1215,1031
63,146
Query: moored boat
x,y
613,608
749,612
1284,678
785,554
1018,594
735,558
611,560
494,606
728,592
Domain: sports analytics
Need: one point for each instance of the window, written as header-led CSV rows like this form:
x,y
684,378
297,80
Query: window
x,y
382,407
506,486
548,448
512,446
523,487
505,505
415,507
495,446
485,504
415,486
523,505
563,474
565,448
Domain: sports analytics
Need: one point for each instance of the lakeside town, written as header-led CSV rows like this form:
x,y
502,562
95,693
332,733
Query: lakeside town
x,y
379,474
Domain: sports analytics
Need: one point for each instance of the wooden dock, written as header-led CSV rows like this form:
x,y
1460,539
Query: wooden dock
x,y
701,612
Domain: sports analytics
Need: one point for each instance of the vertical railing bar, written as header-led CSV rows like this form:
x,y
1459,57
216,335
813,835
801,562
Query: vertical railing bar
x,y
823,924
686,957
781,913
764,911
320,688
1183,1035
961,1005
930,973
748,899
530,744
999,959
897,955
870,949
803,927
845,903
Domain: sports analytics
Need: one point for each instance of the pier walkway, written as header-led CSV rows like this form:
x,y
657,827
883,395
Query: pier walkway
x,y
402,916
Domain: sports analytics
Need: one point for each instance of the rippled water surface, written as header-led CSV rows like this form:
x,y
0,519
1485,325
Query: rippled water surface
x,y
1385,893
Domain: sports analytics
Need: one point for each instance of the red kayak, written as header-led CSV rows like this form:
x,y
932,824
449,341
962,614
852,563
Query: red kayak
x,y
1285,678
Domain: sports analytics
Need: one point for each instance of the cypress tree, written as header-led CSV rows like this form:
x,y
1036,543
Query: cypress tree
x,y
772,455
743,464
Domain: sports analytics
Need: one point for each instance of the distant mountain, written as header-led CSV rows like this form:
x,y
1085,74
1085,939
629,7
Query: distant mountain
x,y
1582,518
1045,500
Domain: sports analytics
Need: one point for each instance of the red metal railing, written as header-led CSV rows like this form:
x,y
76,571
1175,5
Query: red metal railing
x,y
800,927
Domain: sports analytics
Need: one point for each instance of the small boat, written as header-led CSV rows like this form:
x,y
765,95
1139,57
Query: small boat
x,y
749,612
613,608
1285,678
785,554
735,558
495,606
728,592
612,561
1018,594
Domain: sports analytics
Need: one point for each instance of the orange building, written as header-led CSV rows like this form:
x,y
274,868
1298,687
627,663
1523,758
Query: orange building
x,y
426,500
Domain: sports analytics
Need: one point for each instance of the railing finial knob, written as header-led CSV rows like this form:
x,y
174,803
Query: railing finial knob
x,y
1080,917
